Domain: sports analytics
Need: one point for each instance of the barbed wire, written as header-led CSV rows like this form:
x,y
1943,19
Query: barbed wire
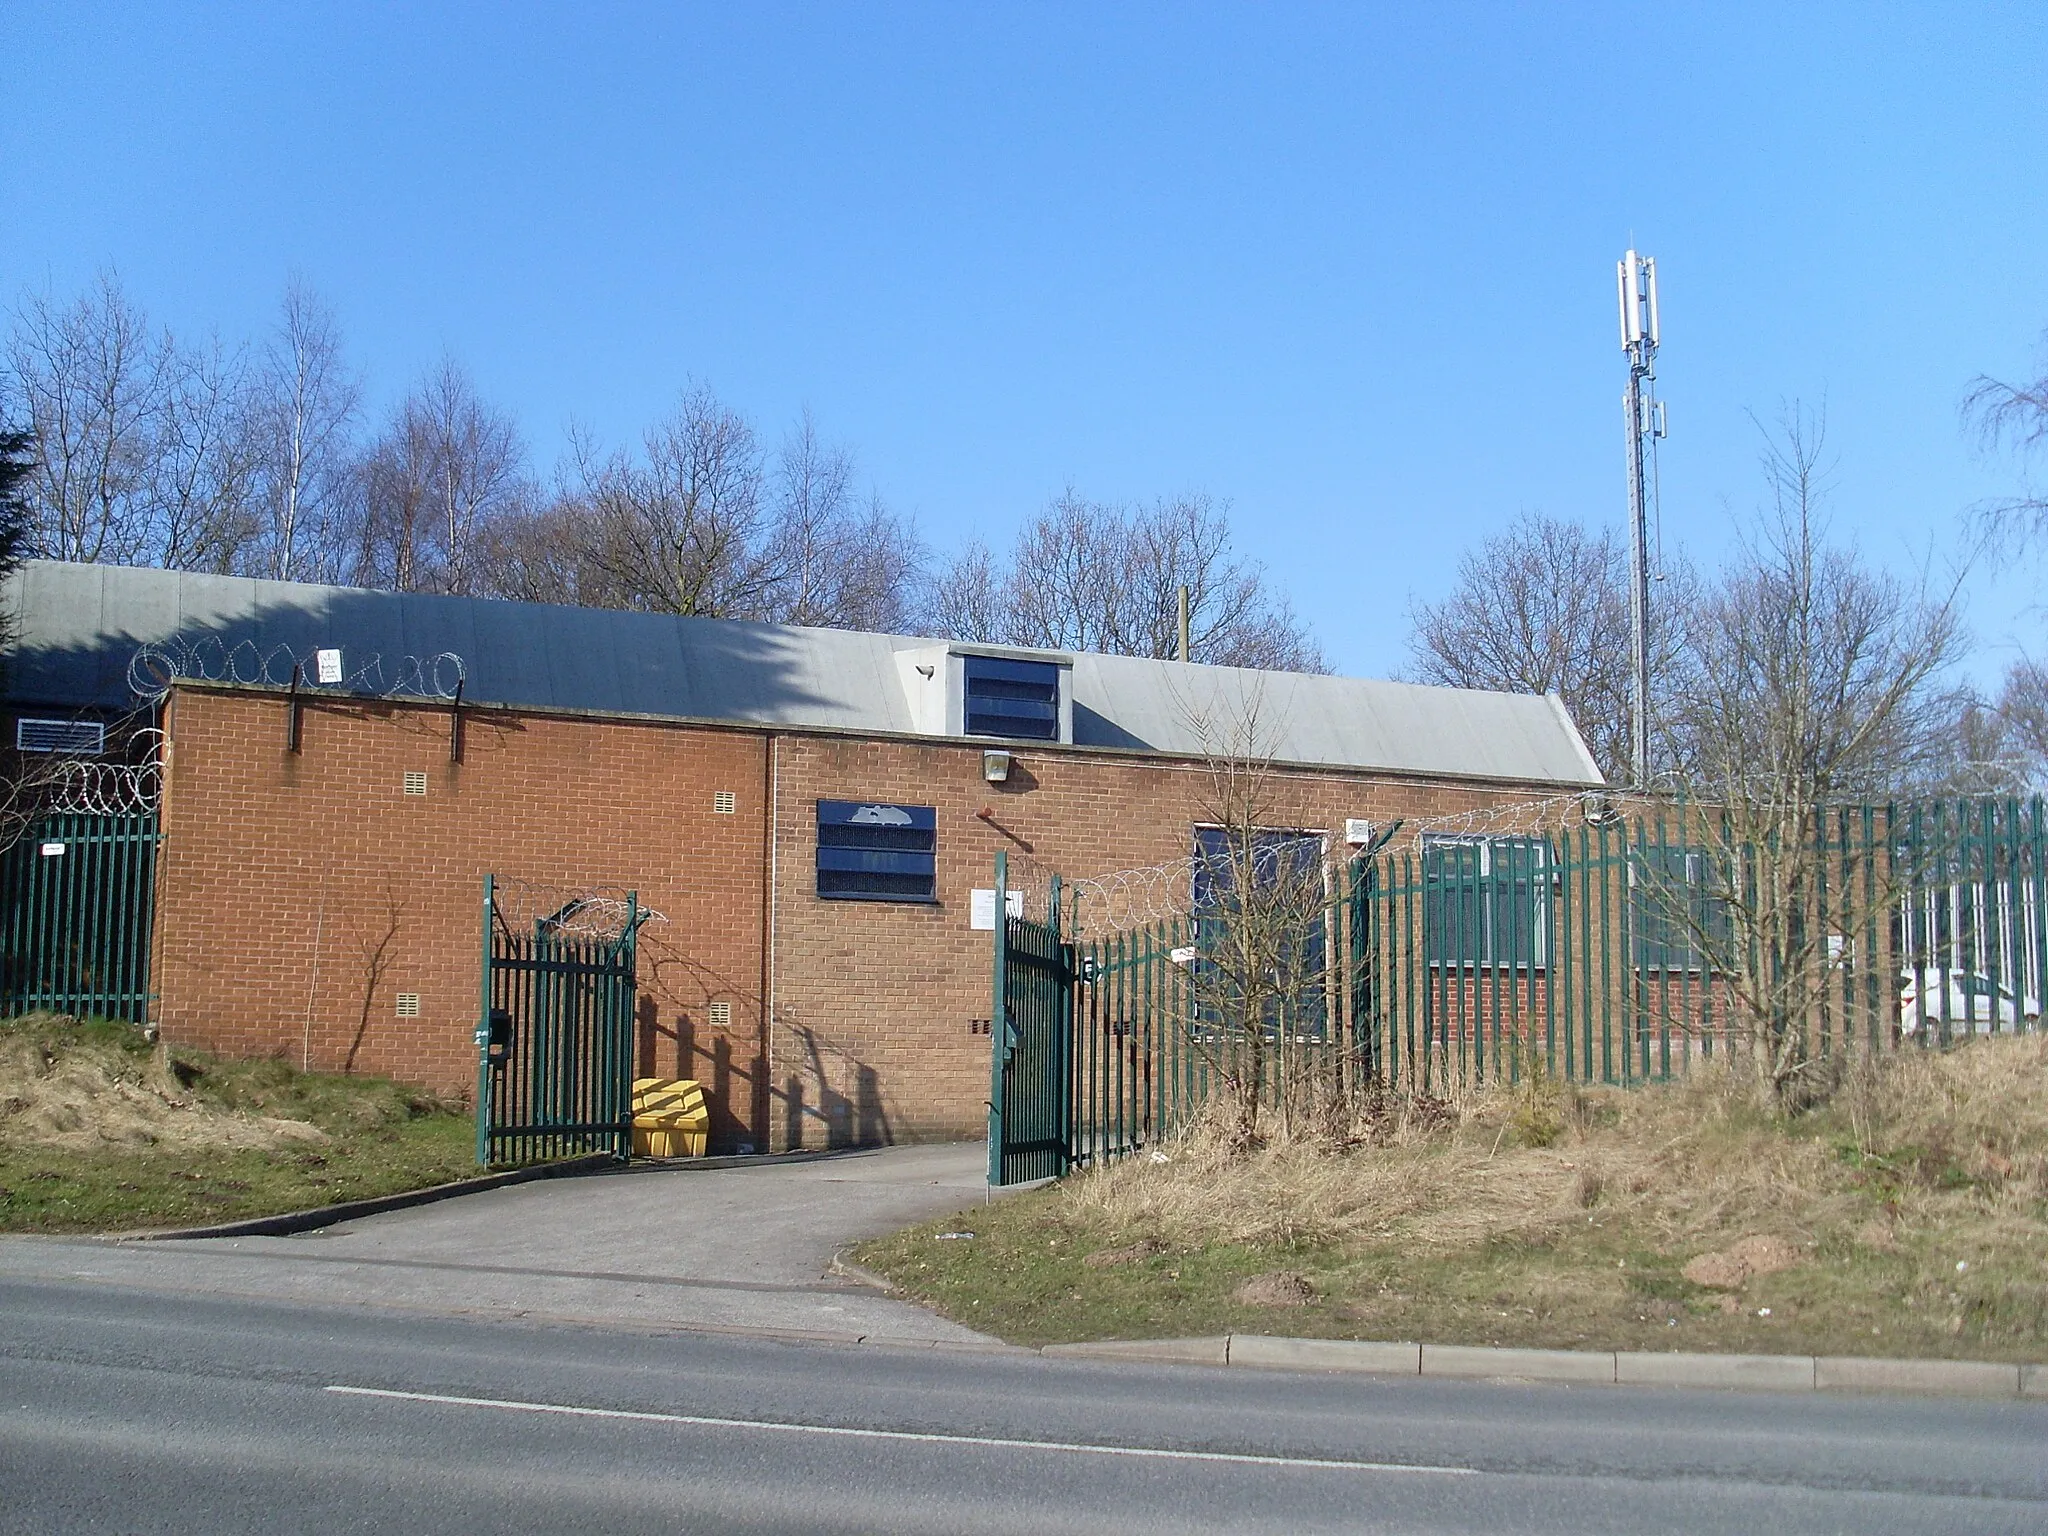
x,y
583,912
212,658
1522,817
81,786
1133,898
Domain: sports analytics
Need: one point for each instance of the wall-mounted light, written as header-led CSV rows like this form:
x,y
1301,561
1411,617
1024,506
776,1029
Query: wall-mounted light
x,y
1600,811
995,767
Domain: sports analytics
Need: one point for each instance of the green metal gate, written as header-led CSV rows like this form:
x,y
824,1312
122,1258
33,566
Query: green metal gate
x,y
1029,1116
78,894
554,1069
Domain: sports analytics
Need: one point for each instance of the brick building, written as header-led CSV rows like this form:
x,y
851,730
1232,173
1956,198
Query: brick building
x,y
809,811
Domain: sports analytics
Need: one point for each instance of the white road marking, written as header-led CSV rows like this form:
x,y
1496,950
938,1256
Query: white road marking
x,y
911,1436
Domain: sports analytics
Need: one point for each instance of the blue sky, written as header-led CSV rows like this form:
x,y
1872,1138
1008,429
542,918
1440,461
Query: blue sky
x,y
1350,267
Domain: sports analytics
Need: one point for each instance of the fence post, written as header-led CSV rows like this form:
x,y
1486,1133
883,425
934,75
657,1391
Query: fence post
x,y
998,1023
483,1034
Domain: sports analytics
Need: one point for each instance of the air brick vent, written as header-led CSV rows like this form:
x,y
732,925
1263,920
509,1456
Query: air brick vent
x,y
725,802
79,738
408,1005
415,783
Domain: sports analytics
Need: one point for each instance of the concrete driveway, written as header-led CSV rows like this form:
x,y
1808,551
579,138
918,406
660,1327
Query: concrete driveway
x,y
735,1247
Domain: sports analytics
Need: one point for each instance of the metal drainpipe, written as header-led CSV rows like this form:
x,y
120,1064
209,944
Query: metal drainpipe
x,y
764,1090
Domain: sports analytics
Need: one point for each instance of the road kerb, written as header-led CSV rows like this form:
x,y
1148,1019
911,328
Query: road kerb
x,y
1773,1373
1521,1364
1957,1378
290,1223
1754,1373
1206,1351
1274,1353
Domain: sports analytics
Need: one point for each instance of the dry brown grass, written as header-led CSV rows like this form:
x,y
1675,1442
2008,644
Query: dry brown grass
x,y
101,1129
1691,1165
1909,1214
61,1089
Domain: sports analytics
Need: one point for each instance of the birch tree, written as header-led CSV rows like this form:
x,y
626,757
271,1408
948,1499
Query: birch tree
x,y
303,416
446,466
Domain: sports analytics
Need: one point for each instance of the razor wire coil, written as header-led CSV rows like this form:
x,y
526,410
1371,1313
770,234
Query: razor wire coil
x,y
212,658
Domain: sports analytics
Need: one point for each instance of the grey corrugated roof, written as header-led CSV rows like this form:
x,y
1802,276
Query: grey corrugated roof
x,y
79,626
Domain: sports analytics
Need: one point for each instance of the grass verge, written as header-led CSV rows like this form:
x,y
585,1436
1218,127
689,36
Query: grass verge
x,y
1908,1217
102,1131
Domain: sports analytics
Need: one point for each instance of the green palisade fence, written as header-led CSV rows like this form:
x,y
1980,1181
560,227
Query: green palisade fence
x,y
78,894
1619,951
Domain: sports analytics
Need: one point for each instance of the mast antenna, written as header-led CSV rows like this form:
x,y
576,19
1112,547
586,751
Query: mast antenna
x,y
1643,415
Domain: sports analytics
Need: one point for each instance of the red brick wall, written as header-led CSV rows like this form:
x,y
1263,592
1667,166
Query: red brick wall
x,y
301,894
874,1002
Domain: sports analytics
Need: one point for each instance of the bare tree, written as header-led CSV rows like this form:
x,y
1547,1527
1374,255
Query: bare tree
x,y
445,467
1814,683
2023,710
2001,744
1811,679
1543,607
833,560
143,449
881,572
814,489
701,523
1093,577
1259,965
541,553
302,415
965,599
2015,416
91,378
679,530
202,462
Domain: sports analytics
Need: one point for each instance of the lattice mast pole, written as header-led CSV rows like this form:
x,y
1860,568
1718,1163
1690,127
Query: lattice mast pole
x,y
1643,417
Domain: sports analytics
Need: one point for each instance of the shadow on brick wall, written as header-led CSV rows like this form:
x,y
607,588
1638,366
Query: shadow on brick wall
x,y
832,1105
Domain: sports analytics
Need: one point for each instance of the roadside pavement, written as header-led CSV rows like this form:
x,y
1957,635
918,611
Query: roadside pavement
x,y
731,1247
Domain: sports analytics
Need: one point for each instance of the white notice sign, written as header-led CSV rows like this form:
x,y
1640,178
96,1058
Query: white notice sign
x,y
981,908
327,666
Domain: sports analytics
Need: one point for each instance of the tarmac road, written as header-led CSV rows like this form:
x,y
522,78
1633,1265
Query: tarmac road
x,y
124,1408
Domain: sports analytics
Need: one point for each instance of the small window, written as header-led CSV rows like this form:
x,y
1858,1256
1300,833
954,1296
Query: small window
x,y
1679,916
1277,930
76,738
870,852
1015,699
1486,902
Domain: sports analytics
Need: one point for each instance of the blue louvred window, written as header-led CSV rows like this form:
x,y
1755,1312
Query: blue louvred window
x,y
868,851
1015,699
